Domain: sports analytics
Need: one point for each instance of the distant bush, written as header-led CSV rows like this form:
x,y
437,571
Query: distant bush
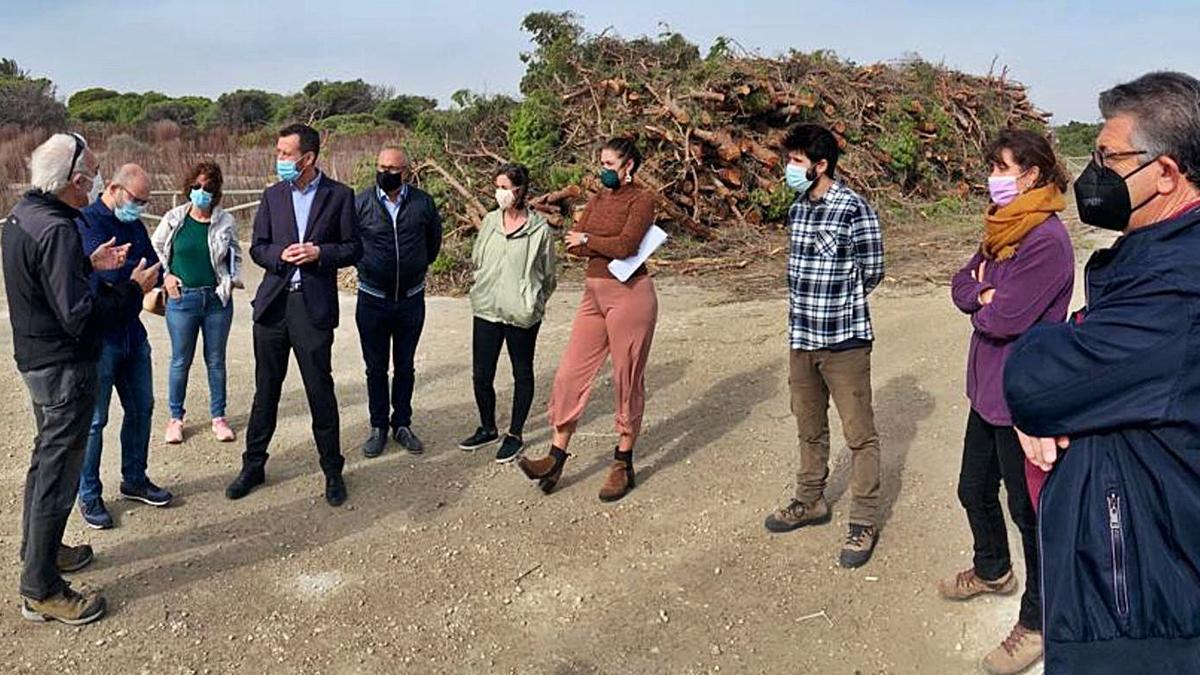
x,y
351,125
245,109
1077,139
27,101
404,109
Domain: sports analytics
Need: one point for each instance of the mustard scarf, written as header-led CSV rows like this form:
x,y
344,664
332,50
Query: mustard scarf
x,y
1007,225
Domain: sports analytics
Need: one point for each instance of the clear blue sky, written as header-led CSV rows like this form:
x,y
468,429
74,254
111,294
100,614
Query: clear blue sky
x,y
1065,51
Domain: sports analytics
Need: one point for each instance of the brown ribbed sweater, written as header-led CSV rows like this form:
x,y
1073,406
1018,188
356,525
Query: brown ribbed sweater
x,y
615,222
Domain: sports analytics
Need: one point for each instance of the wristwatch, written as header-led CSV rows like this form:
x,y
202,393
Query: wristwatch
x,y
583,238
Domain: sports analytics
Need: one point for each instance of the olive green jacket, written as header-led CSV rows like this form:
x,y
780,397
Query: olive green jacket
x,y
514,274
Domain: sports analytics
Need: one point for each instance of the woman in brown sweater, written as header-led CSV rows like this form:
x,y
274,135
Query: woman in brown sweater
x,y
613,318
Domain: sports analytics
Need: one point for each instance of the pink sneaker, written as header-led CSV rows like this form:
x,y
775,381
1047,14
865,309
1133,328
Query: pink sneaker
x,y
175,431
222,430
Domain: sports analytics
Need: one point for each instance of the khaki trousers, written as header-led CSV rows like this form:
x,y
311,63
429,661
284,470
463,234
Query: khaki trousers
x,y
813,376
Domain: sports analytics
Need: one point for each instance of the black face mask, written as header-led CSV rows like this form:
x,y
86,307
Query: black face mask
x,y
388,181
1102,196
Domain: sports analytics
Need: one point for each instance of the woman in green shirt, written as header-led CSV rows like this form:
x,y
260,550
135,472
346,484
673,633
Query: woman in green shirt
x,y
198,246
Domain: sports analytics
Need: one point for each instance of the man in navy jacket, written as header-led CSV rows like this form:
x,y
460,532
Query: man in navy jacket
x,y
304,231
1111,402
125,363
402,234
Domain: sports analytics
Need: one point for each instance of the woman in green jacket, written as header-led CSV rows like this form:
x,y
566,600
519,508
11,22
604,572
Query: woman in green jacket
x,y
514,265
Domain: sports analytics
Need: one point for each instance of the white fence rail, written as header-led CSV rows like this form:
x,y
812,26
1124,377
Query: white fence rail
x,y
232,209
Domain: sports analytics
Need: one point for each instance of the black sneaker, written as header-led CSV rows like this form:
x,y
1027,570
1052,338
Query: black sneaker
x,y
860,544
408,440
509,449
95,514
147,493
480,438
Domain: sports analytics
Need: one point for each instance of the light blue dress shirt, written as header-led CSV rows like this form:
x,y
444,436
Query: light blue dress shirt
x,y
302,202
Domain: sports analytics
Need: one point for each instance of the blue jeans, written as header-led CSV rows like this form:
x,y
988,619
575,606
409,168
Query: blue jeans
x,y
124,366
196,311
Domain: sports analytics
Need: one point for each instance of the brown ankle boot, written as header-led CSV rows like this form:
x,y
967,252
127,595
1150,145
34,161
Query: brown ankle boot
x,y
546,470
620,477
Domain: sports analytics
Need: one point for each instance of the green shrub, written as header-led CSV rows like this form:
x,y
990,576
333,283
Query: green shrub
x,y
350,125
533,133
773,202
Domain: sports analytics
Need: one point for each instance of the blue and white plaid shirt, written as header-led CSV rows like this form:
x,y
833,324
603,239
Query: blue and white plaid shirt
x,y
836,260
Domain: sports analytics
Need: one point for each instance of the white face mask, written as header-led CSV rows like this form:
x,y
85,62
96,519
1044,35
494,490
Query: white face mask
x,y
97,186
505,198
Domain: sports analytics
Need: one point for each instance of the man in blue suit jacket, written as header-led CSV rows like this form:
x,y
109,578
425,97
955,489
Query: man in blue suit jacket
x,y
304,231
1111,402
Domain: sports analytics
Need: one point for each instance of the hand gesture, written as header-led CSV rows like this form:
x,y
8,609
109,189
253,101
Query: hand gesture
x,y
173,286
108,256
146,277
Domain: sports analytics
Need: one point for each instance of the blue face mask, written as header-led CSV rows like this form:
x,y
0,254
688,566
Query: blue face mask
x,y
286,169
797,178
128,212
201,199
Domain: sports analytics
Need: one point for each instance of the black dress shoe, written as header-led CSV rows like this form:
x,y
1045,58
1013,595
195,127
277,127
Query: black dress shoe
x,y
335,490
408,440
375,443
246,481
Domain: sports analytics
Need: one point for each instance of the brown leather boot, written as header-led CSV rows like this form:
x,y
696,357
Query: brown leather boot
x,y
545,470
620,477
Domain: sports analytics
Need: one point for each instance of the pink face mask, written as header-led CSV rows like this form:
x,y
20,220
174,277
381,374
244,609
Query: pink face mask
x,y
1003,189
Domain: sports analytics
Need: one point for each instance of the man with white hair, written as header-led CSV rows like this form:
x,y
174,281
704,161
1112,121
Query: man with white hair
x,y
124,350
55,314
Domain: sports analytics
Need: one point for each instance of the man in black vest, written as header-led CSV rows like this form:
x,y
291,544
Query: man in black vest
x,y
401,234
304,231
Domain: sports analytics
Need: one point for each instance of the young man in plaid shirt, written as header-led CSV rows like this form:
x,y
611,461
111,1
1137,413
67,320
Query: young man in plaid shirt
x,y
836,260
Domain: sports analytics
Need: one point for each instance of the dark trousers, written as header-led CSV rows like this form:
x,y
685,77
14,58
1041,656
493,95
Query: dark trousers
x,y
284,327
63,396
390,329
486,341
992,454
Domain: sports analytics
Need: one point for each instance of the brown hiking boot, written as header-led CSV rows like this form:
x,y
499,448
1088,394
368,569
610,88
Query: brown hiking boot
x,y
545,470
859,546
796,515
966,585
1021,649
74,558
69,607
619,481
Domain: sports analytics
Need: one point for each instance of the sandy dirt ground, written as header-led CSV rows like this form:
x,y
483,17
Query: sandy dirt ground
x,y
449,563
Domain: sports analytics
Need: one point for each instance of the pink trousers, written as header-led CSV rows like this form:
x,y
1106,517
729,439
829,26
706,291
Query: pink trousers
x,y
613,318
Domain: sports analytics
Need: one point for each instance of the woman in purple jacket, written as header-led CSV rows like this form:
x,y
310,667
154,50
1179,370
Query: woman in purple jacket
x,y
1022,275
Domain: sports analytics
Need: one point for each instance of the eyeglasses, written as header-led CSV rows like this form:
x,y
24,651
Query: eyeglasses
x,y
197,186
1101,158
134,198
